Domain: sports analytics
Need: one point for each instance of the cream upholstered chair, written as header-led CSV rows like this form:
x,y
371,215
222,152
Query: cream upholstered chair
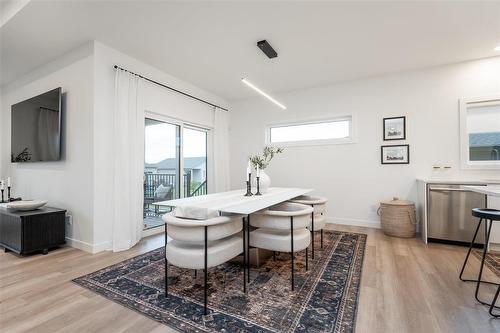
x,y
318,220
282,228
202,244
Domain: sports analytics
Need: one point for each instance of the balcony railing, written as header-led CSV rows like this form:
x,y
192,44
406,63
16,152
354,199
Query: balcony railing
x,y
153,180
200,190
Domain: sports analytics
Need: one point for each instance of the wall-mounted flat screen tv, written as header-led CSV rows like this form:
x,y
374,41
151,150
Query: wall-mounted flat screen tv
x,y
36,128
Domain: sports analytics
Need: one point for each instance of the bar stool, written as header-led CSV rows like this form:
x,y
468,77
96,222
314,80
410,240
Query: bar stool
x,y
493,304
486,215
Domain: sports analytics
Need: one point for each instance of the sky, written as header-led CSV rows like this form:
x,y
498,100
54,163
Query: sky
x,y
160,142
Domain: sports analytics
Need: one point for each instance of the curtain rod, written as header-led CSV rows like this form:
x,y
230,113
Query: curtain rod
x,y
173,89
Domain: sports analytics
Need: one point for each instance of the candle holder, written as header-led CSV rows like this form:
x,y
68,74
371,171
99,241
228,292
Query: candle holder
x,y
8,193
2,197
258,186
249,187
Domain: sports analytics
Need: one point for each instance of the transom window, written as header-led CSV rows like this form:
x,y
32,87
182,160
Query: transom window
x,y
330,131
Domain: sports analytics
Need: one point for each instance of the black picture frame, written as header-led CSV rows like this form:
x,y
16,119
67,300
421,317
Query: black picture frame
x,y
403,118
405,160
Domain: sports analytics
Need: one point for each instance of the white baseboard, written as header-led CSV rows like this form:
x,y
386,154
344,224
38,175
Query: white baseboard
x,y
494,247
95,248
87,247
354,222
153,231
104,246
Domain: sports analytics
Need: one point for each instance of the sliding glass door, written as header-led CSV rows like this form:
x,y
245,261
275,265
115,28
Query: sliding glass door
x,y
194,149
169,147
161,168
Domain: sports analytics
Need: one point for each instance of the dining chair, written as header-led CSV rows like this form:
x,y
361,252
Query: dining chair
x,y
202,244
282,228
318,220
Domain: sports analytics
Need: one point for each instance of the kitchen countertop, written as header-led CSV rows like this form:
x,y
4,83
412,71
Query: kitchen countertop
x,y
458,181
493,190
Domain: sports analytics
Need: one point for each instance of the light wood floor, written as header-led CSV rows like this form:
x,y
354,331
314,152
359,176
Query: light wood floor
x,y
407,286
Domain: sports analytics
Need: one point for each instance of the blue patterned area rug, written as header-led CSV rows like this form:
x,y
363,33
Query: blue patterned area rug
x,y
325,298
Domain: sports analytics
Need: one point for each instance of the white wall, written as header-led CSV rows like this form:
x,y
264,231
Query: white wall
x,y
80,182
351,175
66,183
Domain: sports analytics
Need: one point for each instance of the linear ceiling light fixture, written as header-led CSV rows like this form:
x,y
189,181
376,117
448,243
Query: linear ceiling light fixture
x,y
257,89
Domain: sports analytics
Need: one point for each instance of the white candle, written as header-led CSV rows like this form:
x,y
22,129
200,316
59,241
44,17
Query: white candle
x,y
249,170
2,186
8,181
258,171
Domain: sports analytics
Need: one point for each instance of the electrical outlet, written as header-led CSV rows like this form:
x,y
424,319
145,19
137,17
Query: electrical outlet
x,y
69,219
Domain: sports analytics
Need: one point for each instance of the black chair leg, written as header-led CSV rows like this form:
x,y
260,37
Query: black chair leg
x,y
166,277
206,272
244,259
248,248
307,259
291,248
312,231
166,263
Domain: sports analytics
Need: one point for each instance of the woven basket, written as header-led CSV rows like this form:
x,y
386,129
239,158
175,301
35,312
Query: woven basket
x,y
398,218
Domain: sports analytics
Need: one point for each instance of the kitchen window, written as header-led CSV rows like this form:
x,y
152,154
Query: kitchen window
x,y
331,131
480,133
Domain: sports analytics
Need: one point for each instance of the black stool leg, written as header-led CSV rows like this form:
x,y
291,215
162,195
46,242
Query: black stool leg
x,y
487,233
468,252
493,304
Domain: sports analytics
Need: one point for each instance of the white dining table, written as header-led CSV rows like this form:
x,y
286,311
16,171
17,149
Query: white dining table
x,y
236,201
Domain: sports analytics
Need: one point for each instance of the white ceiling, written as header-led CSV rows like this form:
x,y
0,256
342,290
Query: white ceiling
x,y
212,45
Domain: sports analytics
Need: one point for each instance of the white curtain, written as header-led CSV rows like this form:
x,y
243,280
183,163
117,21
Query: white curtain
x,y
221,150
128,138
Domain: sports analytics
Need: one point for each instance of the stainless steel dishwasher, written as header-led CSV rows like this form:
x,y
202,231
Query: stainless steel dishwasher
x,y
449,217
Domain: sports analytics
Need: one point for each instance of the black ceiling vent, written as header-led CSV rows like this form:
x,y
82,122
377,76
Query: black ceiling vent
x,y
267,49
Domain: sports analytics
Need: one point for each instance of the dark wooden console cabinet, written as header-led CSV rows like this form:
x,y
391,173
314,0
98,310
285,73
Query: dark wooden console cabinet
x,y
30,231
